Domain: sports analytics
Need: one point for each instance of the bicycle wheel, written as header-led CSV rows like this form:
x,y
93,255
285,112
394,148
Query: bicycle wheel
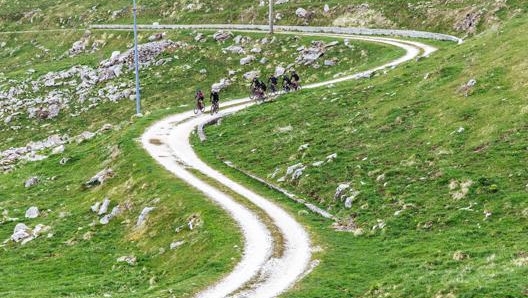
x,y
195,110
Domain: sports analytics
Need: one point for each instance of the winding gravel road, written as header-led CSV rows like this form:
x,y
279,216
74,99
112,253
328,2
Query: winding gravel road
x,y
266,269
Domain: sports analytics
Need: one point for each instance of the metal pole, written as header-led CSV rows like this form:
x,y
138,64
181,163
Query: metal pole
x,y
136,62
271,16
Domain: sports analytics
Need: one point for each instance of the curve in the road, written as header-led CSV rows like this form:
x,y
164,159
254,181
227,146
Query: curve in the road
x,y
259,274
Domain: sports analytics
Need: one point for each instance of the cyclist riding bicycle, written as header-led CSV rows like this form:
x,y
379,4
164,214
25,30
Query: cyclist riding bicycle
x,y
215,100
286,83
273,81
199,96
295,79
258,88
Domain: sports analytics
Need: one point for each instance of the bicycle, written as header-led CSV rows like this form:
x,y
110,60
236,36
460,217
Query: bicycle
x,y
199,107
215,107
257,94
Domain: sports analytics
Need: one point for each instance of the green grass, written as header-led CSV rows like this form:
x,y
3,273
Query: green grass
x,y
435,15
68,265
404,126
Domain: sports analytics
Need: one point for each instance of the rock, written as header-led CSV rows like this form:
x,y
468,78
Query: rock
x,y
331,157
256,50
176,244
297,174
143,216
251,75
285,129
157,36
318,163
379,225
460,256
302,13
32,212
278,2
40,229
31,182
95,207
469,23
247,60
263,60
235,49
303,147
340,189
329,62
203,71
222,36
21,232
57,150
100,177
200,37
115,212
291,169
104,206
326,8
64,161
279,71
130,260
310,55
224,83
84,137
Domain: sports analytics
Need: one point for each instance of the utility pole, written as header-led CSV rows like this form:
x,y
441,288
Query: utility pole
x,y
136,62
271,16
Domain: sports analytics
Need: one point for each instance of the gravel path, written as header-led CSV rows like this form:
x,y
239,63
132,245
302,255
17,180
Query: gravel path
x,y
260,273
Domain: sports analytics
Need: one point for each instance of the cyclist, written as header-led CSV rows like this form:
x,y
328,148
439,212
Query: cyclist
x,y
273,81
215,99
286,83
199,96
258,88
295,79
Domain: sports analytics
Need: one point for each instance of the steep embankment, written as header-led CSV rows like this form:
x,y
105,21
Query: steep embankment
x,y
428,172
465,17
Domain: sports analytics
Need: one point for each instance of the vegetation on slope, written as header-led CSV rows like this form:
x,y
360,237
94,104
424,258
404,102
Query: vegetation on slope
x,y
80,256
437,179
459,17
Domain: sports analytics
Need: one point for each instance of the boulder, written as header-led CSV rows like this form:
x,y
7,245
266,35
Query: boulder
x,y
32,212
235,49
251,75
130,260
100,177
222,36
247,60
143,216
31,182
21,232
302,13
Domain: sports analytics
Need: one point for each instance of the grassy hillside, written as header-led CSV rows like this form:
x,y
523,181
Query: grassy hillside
x,y
78,255
436,173
459,17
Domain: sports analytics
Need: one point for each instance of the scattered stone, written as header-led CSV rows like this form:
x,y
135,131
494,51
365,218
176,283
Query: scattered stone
x,y
142,219
278,2
176,244
340,189
318,163
222,36
194,221
279,71
235,49
379,225
224,83
460,256
326,8
329,62
200,37
256,50
297,173
64,161
331,157
21,232
103,207
469,23
57,150
251,75
32,212
285,129
302,13
459,190
130,260
247,60
32,181
157,36
303,147
100,177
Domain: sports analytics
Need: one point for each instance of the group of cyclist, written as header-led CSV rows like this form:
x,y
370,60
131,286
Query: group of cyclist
x,y
257,91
